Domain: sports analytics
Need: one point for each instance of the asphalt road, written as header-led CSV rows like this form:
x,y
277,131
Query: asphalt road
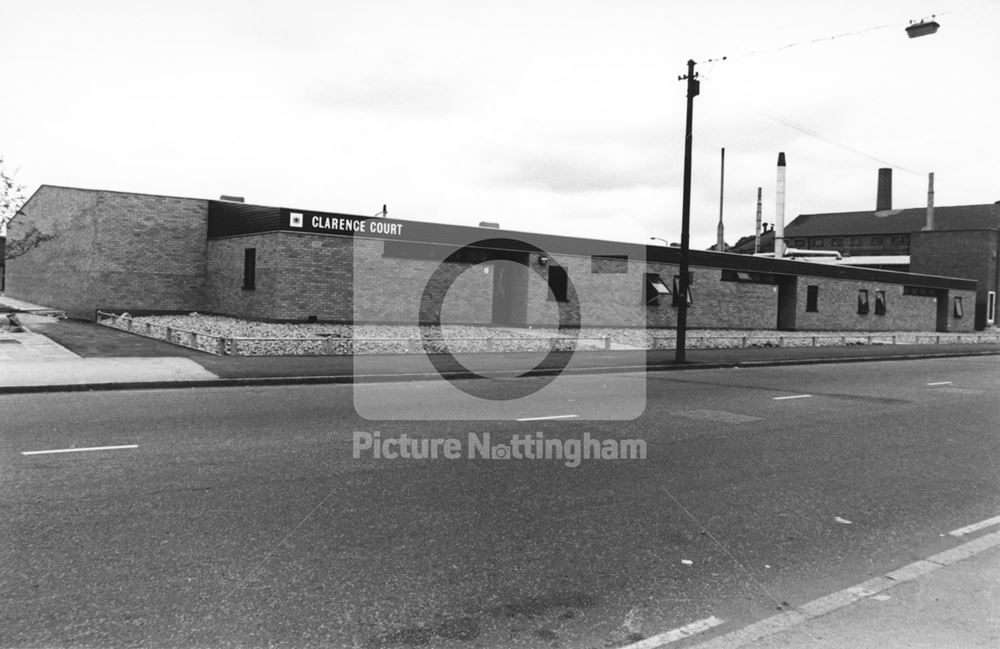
x,y
240,517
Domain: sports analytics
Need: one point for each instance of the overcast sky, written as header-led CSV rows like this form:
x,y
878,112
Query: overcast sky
x,y
556,116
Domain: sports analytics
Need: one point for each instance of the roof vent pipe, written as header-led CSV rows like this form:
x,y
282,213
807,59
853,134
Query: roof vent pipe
x,y
930,202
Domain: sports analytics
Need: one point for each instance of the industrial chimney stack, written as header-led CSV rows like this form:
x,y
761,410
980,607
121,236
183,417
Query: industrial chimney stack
x,y
779,210
884,200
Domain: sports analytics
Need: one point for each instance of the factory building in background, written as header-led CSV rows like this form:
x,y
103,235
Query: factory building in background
x,y
954,241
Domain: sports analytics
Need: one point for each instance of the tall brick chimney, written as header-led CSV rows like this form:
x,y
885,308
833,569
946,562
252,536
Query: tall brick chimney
x,y
884,200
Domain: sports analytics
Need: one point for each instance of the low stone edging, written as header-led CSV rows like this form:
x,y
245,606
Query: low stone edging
x,y
342,339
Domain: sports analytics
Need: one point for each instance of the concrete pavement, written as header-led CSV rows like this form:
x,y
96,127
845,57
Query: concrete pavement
x,y
951,599
32,360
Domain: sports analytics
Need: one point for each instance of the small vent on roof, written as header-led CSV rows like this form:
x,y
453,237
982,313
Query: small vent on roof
x,y
487,224
231,199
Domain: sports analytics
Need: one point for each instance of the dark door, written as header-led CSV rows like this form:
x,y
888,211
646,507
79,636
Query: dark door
x,y
787,302
503,293
942,311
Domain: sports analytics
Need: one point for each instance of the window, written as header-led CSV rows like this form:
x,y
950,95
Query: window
x,y
863,301
609,263
654,289
919,290
899,239
743,276
879,302
249,269
812,299
819,243
959,312
558,283
876,241
836,242
799,243
991,307
857,241
736,276
677,290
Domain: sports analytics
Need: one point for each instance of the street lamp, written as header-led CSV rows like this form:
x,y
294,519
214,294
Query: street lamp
x,y
659,239
922,28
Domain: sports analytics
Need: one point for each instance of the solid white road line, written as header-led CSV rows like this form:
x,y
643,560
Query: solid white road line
x,y
661,639
80,450
940,383
544,418
975,527
794,396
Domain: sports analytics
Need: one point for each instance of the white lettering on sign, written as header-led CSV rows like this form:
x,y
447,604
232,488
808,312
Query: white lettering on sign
x,y
342,224
338,223
386,227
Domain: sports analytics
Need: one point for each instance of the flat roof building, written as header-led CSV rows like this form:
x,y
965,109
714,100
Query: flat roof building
x,y
119,251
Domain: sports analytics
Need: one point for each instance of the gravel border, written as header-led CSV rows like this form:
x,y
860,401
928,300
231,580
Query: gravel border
x,y
233,336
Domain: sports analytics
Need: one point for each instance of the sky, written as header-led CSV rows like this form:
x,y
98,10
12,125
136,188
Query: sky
x,y
552,116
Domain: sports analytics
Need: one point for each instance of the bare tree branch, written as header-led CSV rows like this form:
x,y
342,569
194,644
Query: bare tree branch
x,y
12,199
31,240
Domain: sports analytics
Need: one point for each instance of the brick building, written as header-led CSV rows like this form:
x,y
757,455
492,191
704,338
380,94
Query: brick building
x,y
956,241
118,251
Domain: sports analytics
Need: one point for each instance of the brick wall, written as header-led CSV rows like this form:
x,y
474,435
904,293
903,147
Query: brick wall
x,y
966,322
618,299
837,307
112,250
970,254
297,276
56,274
717,303
725,304
604,297
389,289
308,275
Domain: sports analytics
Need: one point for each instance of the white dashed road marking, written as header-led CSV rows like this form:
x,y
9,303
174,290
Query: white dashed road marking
x,y
686,631
544,418
716,415
794,396
940,383
975,527
81,450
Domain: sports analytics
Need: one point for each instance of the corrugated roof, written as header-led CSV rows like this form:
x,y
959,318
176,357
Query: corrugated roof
x,y
956,217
